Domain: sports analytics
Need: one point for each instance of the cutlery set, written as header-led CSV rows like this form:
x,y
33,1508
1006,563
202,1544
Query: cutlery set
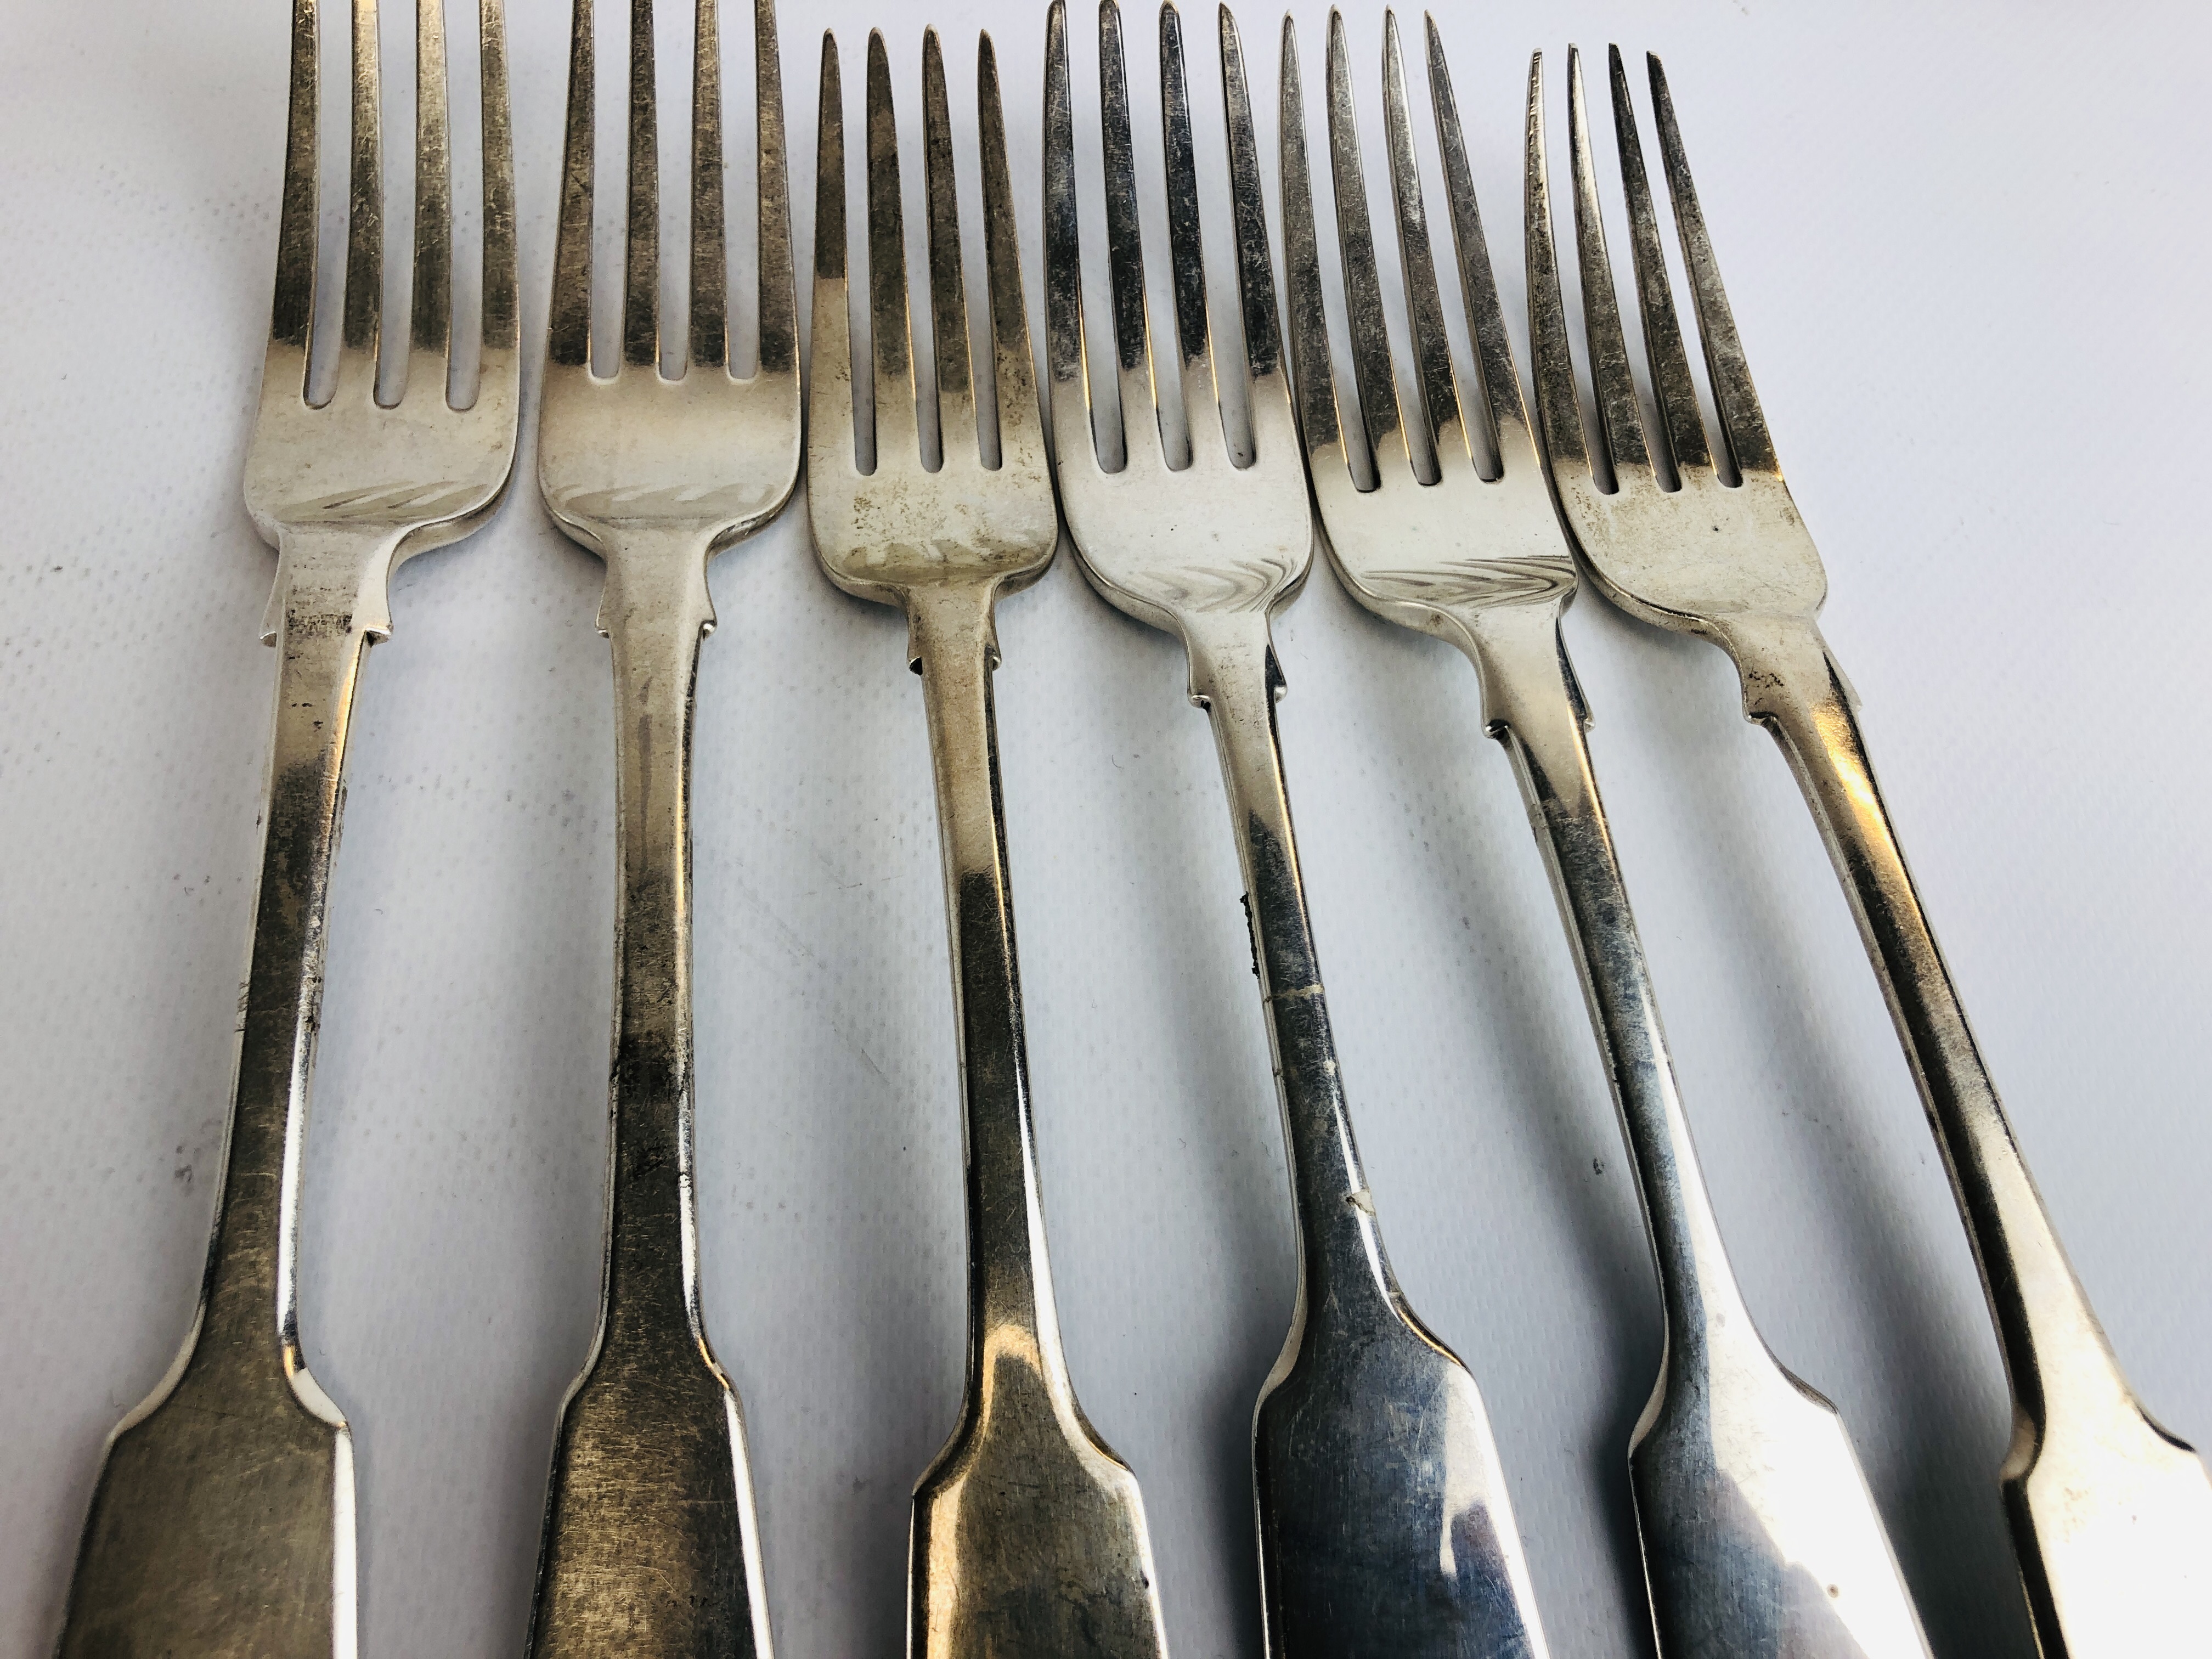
x,y
1193,498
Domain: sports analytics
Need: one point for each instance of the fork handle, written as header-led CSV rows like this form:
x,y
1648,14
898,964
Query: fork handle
x,y
1533,708
649,1459
1010,1305
1342,1266
2111,1515
223,1517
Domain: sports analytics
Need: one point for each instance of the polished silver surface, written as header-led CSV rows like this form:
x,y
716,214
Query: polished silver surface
x,y
1384,1522
223,1522
651,1545
1029,1534
2112,1517
1759,1536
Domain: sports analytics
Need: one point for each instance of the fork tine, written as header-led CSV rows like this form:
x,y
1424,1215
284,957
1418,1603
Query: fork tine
x,y
1425,310
1313,375
887,314
1021,428
1268,391
830,386
1506,416
948,295
569,342
709,331
1066,353
1186,245
502,320
1551,366
1371,368
1124,249
777,296
430,332
1671,385
641,255
364,275
1742,422
292,309
1620,422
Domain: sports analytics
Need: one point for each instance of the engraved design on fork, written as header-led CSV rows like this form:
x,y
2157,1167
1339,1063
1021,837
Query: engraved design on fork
x,y
222,1522
651,1546
1759,1536
1384,1522
1029,1534
2112,1517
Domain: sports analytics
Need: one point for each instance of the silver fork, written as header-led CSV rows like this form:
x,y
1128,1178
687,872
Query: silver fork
x,y
1759,1531
223,1521
1029,1534
651,1545
2112,1515
1384,1522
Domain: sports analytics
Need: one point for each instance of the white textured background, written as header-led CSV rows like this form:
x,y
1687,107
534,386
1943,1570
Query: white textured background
x,y
1967,248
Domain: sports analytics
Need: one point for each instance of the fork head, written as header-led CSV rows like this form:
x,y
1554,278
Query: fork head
x,y
1218,535
901,529
418,473
1430,540
1706,557
635,457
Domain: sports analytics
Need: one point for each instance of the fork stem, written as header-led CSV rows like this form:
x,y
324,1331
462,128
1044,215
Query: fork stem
x,y
2111,1515
1011,1316
1534,708
2055,1351
649,1461
1342,1265
225,1522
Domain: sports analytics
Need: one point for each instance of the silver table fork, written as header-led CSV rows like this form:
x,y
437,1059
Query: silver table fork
x,y
1383,1518
223,1522
2112,1515
1029,1534
651,1546
1759,1534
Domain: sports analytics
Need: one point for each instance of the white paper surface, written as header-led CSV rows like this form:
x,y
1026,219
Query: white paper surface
x,y
1965,247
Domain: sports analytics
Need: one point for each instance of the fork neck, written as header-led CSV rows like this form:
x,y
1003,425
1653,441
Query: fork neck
x,y
322,624
1011,1317
1343,1271
656,610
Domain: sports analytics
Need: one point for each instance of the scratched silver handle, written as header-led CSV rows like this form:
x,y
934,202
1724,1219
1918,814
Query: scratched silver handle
x,y
1752,1511
651,1546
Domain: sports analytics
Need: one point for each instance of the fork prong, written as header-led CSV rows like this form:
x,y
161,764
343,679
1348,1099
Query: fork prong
x,y
364,275
1313,375
1506,416
502,320
776,295
830,419
430,332
292,308
1021,427
948,295
642,254
1371,369
1424,312
709,329
1552,367
887,313
568,335
1742,422
1186,247
1671,383
1125,248
1268,390
1620,422
1066,356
